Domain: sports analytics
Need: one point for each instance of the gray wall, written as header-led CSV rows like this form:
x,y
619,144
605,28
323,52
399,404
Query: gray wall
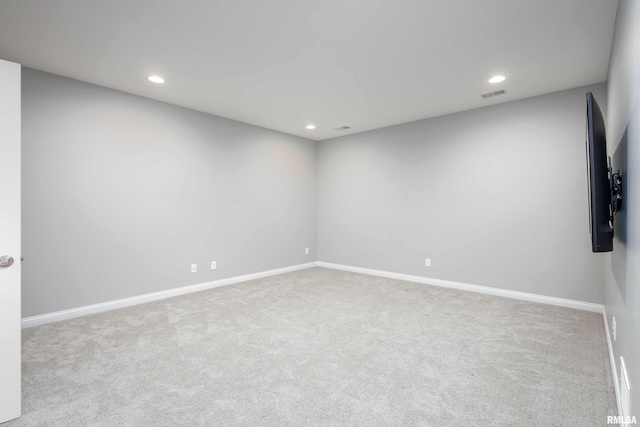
x,y
622,290
121,194
495,196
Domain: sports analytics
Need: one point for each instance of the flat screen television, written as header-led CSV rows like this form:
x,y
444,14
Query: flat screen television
x,y
605,187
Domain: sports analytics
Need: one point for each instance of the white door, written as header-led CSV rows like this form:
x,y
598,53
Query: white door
x,y
10,351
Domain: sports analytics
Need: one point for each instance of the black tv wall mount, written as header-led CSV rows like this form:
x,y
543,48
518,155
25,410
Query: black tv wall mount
x,y
615,181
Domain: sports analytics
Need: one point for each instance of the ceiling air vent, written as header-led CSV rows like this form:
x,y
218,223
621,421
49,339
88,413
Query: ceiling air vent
x,y
494,93
343,128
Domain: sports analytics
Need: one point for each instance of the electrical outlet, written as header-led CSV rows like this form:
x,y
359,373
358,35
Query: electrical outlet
x,y
427,262
194,268
214,265
625,391
306,251
614,328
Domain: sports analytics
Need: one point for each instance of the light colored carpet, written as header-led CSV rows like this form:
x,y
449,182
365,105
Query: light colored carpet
x,y
324,348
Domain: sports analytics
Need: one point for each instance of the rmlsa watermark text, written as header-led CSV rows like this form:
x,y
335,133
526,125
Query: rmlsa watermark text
x,y
622,420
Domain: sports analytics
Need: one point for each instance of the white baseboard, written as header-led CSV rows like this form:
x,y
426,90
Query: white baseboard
x,y
42,319
612,361
562,302
29,322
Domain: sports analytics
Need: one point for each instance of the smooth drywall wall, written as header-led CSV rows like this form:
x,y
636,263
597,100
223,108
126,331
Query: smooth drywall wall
x,y
495,196
121,194
622,290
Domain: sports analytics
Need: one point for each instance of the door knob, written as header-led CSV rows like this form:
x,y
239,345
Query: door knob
x,y
6,261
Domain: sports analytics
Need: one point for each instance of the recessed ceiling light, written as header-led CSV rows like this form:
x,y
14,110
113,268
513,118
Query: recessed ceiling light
x,y
311,127
497,79
156,79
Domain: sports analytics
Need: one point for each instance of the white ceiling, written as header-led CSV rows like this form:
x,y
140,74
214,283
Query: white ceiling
x,y
283,64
